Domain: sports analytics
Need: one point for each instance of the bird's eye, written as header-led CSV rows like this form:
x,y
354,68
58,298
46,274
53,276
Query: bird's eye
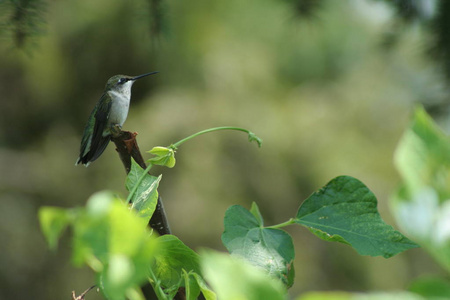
x,y
122,80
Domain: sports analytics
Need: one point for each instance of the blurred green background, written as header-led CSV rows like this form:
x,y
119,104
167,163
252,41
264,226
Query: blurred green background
x,y
328,85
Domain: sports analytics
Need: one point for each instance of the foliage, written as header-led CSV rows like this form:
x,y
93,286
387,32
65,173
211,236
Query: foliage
x,y
268,248
114,240
23,19
345,210
313,76
143,194
246,281
422,204
115,243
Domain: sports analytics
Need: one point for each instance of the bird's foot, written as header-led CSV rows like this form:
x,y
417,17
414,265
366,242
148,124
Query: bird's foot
x,y
116,130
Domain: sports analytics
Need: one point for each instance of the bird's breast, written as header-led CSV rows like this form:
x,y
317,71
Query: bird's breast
x,y
119,108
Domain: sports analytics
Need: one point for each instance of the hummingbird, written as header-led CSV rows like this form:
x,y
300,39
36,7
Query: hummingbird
x,y
111,111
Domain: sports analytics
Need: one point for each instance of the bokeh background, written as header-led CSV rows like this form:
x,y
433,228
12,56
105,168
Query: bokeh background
x,y
328,85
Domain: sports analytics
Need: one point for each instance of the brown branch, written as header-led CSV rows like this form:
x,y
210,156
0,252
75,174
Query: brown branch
x,y
127,147
81,297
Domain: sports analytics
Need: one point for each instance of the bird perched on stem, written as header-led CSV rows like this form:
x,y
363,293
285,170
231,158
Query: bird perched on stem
x,y
110,112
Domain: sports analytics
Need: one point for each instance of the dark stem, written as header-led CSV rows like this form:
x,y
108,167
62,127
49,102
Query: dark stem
x,y
81,297
127,147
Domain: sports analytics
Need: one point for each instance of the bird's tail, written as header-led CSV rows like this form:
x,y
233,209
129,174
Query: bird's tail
x,y
96,149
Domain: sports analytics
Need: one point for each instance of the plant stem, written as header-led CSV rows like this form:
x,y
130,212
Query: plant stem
x,y
175,146
156,286
287,223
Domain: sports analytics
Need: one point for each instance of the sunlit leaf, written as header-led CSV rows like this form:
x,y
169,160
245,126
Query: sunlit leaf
x,y
233,278
164,156
267,248
422,204
172,258
145,197
115,243
423,157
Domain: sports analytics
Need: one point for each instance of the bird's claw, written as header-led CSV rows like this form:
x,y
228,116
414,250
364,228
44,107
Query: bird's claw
x,y
115,129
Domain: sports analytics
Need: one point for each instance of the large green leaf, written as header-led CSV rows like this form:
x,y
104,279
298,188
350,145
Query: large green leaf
x,y
422,204
172,258
233,278
270,249
345,210
145,196
115,243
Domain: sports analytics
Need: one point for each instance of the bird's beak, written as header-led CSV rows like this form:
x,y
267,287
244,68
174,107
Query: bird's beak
x,y
143,75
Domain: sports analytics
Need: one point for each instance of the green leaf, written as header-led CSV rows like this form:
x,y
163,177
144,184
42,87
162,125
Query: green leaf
x,y
326,296
195,285
257,214
267,248
164,156
234,279
359,296
53,222
192,288
206,291
172,258
432,288
422,204
327,237
423,157
145,196
115,243
426,220
345,210
134,293
90,228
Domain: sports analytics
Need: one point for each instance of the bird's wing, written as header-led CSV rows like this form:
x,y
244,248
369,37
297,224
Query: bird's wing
x,y
94,140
